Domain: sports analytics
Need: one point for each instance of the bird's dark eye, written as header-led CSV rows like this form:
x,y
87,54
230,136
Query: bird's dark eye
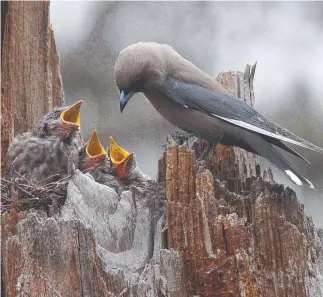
x,y
138,85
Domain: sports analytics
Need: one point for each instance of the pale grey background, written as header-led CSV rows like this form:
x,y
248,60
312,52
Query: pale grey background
x,y
286,39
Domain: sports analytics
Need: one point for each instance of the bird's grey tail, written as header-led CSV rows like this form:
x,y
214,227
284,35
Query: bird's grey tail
x,y
265,149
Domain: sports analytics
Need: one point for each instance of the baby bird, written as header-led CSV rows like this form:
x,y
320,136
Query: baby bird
x,y
63,123
42,156
118,171
94,159
125,164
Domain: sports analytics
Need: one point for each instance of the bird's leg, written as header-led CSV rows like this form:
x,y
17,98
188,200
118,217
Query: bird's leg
x,y
179,138
205,152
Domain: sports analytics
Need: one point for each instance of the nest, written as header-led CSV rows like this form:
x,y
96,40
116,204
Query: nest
x,y
23,194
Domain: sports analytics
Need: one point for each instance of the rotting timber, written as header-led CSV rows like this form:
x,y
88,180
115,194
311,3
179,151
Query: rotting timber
x,y
220,229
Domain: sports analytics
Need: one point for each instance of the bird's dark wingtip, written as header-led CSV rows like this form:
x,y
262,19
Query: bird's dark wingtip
x,y
299,180
310,185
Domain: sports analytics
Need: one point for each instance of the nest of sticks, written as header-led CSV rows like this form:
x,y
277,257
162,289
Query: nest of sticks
x,y
22,194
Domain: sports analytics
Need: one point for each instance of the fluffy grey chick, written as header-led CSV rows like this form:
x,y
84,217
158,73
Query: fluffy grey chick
x,y
42,156
63,123
126,165
94,159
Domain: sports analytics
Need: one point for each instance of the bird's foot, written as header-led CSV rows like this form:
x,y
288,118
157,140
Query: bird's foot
x,y
179,138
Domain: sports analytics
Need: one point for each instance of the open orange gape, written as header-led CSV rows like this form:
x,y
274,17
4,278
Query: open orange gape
x,y
121,159
94,148
72,115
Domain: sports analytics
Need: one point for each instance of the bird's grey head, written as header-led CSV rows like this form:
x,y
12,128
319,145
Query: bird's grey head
x,y
140,66
61,122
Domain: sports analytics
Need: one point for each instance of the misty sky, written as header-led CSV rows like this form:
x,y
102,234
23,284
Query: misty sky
x,y
286,40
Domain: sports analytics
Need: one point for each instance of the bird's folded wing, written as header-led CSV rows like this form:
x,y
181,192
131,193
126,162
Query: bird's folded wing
x,y
229,109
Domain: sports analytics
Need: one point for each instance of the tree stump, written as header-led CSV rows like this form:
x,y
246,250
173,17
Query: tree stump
x,y
31,82
221,229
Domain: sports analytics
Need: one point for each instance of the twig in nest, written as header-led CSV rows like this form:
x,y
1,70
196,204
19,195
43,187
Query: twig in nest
x,y
34,195
56,185
5,198
28,181
62,179
4,188
54,175
7,181
28,193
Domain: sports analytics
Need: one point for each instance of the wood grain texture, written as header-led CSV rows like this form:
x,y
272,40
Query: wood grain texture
x,y
31,83
224,230
98,244
261,244
238,235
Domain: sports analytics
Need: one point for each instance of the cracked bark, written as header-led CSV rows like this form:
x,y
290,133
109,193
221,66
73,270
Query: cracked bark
x,y
225,230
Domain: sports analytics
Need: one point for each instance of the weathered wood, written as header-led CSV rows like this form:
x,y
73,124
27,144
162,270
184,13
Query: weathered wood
x,y
98,244
56,79
223,231
217,243
31,83
260,244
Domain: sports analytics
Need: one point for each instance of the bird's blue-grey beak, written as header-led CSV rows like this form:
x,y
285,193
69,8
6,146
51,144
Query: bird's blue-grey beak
x,y
124,98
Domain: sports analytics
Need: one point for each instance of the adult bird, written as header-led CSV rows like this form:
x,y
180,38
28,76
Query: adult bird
x,y
196,103
42,156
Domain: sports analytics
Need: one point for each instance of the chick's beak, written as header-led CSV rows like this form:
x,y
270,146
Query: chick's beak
x,y
118,155
71,117
95,149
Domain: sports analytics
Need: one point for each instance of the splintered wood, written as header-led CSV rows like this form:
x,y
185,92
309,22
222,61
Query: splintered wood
x,y
261,244
67,259
31,82
225,232
239,236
